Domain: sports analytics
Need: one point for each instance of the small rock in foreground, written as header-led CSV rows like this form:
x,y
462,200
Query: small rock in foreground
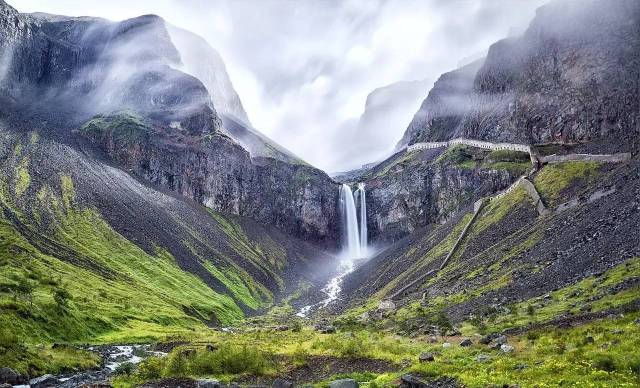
x,y
507,348
343,383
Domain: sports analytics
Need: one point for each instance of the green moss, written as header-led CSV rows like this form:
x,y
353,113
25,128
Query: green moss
x,y
125,127
248,292
558,176
593,291
459,156
22,177
508,156
497,209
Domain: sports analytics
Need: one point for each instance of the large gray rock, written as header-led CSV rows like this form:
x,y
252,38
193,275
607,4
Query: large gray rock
x,y
209,383
344,383
44,381
466,342
10,376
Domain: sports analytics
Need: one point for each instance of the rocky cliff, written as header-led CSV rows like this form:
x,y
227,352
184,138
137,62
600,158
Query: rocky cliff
x,y
572,77
415,189
119,85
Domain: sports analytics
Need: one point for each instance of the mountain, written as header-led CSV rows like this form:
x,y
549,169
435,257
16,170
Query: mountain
x,y
200,60
571,78
151,238
118,85
122,193
390,108
480,235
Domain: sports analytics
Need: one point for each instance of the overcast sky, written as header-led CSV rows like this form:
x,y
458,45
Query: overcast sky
x,y
303,68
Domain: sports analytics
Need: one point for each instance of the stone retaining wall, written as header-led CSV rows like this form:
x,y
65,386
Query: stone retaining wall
x,y
614,158
471,143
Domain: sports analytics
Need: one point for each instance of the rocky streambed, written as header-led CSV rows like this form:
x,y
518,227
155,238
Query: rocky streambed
x,y
114,357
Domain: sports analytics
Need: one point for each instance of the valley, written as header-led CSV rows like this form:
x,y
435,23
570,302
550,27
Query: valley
x,y
151,236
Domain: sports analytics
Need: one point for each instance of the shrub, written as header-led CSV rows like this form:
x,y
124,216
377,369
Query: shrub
x,y
228,359
126,368
151,368
604,362
61,296
177,364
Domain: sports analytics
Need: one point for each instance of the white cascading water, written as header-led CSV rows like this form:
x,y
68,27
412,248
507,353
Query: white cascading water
x,y
350,223
363,220
354,244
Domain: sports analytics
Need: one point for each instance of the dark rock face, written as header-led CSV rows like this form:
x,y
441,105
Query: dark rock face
x,y
574,76
219,174
403,196
67,70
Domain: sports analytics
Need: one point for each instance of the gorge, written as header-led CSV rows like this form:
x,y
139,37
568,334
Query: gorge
x,y
152,235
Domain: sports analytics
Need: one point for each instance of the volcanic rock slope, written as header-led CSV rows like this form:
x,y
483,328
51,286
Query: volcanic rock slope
x,y
568,85
122,194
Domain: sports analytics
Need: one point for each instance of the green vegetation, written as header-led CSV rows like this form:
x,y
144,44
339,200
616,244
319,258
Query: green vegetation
x,y
554,178
22,178
34,360
99,286
401,161
549,357
459,156
124,127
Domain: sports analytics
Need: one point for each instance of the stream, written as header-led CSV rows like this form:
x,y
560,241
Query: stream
x,y
112,356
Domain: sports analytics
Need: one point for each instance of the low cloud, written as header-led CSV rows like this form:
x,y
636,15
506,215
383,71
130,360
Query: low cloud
x,y
303,69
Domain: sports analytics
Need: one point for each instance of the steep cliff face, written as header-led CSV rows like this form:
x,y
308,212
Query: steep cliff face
x,y
120,83
412,190
572,77
219,173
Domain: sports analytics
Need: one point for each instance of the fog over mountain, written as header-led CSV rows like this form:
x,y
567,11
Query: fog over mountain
x,y
303,70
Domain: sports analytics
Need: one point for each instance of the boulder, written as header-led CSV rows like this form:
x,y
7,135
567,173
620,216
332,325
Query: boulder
x,y
500,340
282,383
386,305
325,329
10,376
446,345
343,383
506,348
208,383
410,381
44,381
452,333
426,357
282,328
466,342
486,340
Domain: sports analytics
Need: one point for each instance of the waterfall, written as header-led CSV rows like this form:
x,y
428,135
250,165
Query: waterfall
x,y
363,220
350,222
354,243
